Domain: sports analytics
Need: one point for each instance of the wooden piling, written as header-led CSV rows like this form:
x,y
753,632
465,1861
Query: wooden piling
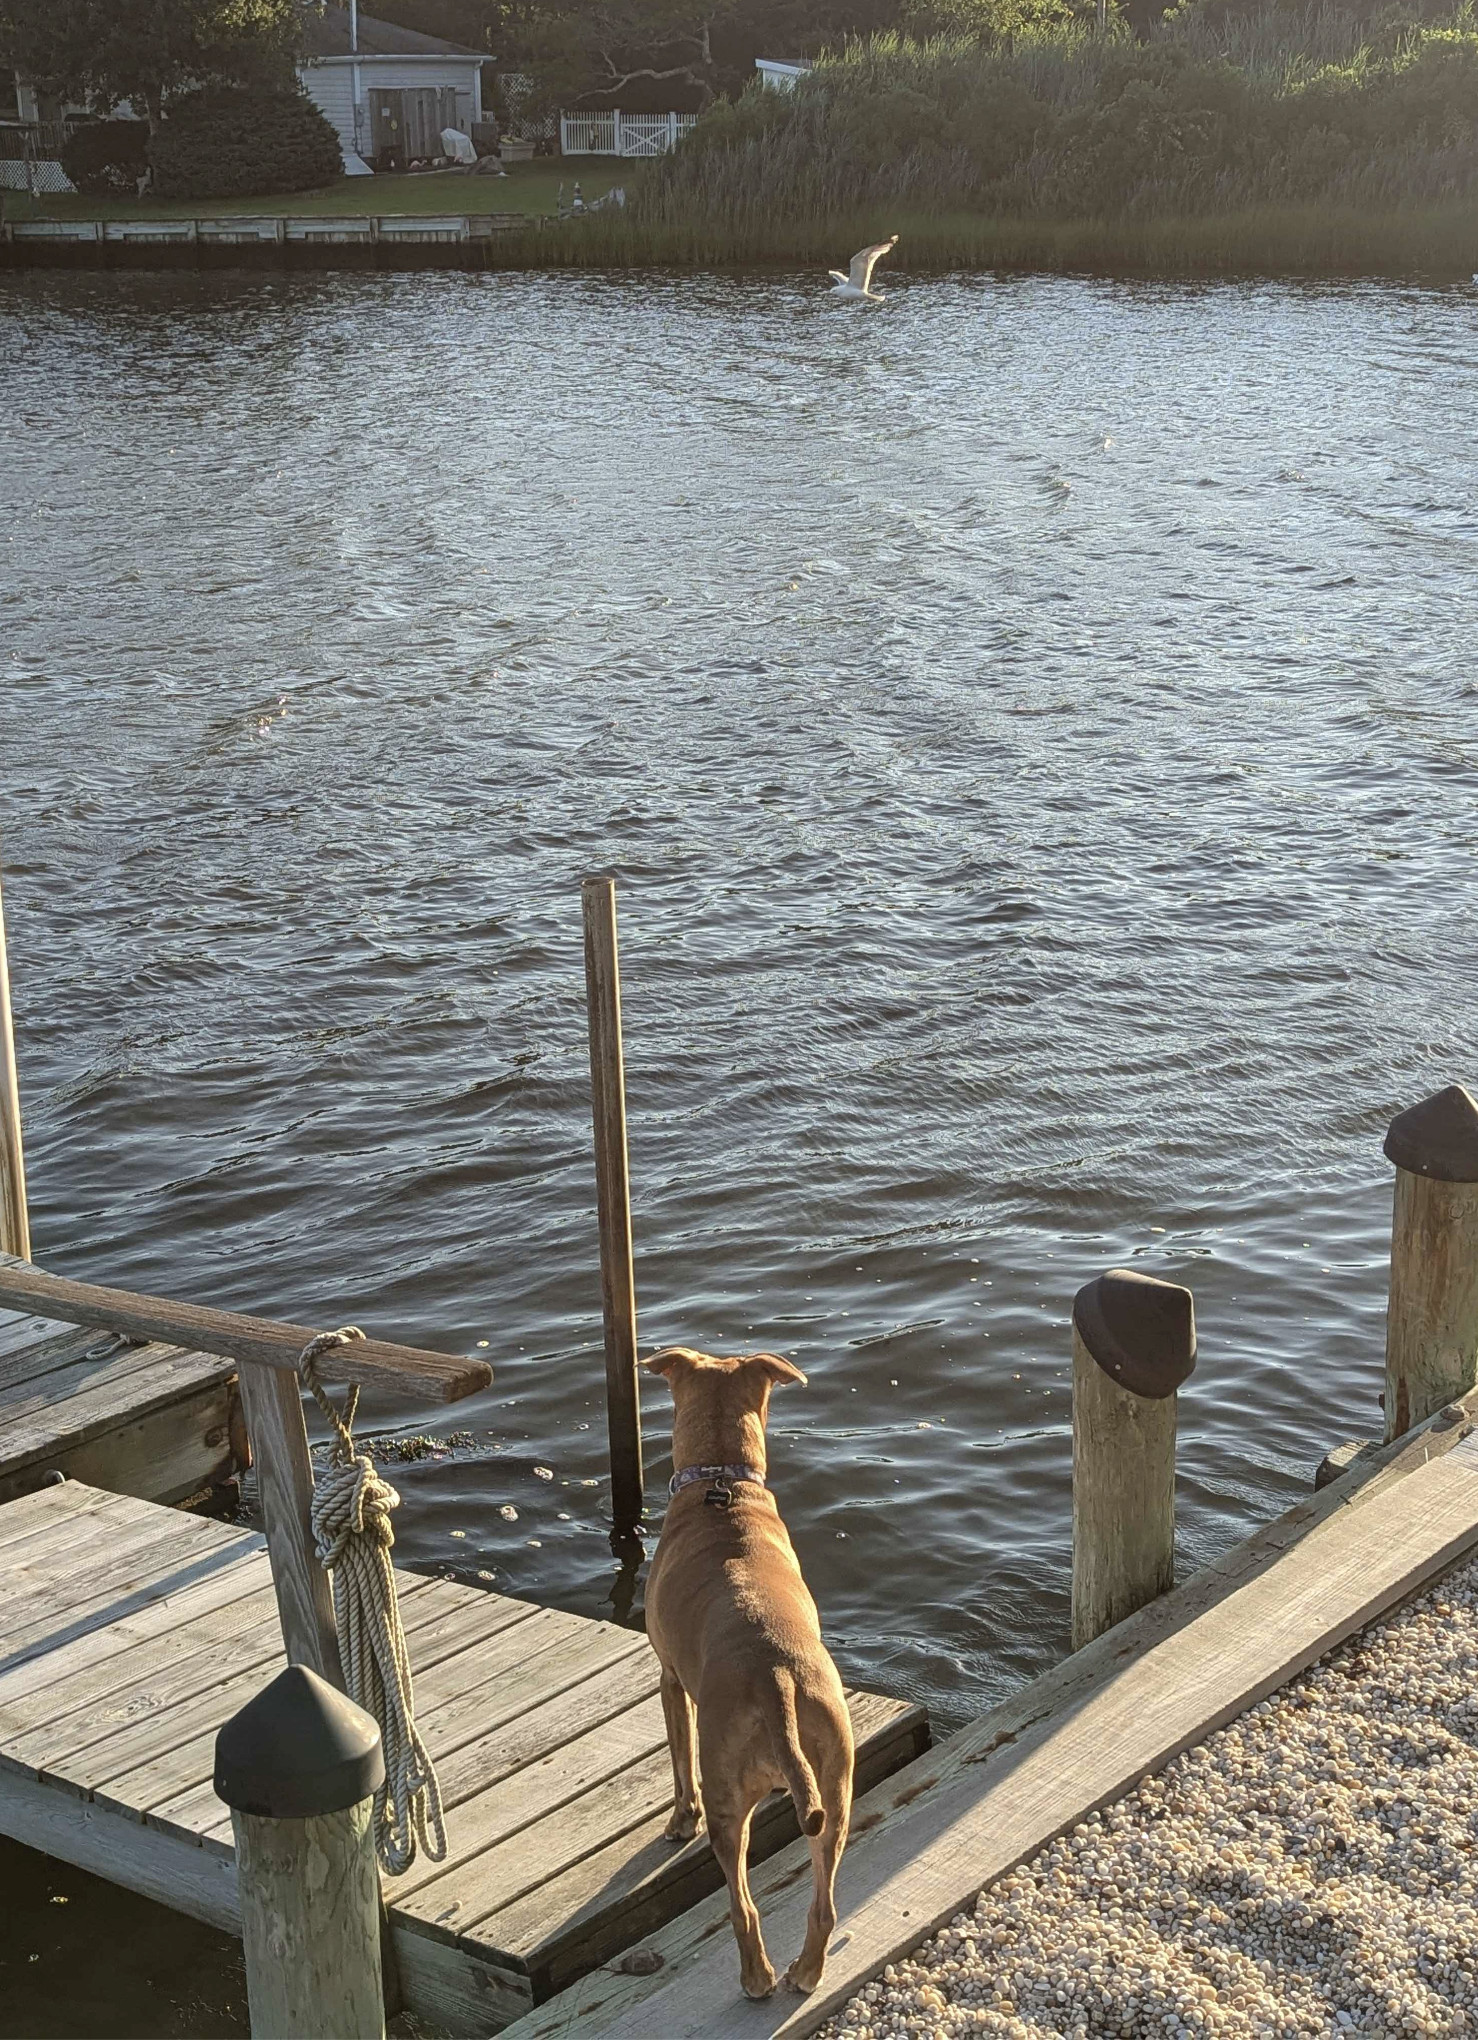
x,y
1134,1343
613,1201
15,1229
299,1767
1432,1315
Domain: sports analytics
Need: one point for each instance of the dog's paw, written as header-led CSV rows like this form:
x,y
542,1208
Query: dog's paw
x,y
802,1979
761,1984
684,1825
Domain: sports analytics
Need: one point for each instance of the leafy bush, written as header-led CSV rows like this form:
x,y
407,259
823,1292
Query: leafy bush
x,y
1222,108
235,144
1159,121
107,156
1433,92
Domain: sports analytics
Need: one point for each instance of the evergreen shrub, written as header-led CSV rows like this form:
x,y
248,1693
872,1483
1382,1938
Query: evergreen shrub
x,y
107,156
235,143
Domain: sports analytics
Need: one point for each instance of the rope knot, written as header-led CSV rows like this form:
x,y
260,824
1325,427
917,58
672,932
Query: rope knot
x,y
352,1500
352,1504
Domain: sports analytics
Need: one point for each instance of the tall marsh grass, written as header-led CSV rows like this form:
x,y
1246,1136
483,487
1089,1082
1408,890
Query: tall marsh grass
x,y
1271,240
1286,139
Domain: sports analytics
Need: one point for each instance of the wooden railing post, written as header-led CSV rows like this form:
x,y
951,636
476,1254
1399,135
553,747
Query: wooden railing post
x,y
613,1202
1134,1343
272,1403
15,1229
299,1766
1432,1315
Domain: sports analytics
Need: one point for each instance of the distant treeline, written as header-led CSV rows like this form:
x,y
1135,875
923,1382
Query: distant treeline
x,y
1213,112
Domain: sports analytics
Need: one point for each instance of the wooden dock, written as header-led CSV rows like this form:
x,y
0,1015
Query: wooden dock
x,y
234,240
933,1836
144,1418
132,1632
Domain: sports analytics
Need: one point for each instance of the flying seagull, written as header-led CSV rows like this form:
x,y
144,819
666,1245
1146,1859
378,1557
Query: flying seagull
x,y
855,285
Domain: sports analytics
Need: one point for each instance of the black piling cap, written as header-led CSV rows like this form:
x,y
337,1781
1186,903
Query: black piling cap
x,y
1438,1138
1141,1331
300,1748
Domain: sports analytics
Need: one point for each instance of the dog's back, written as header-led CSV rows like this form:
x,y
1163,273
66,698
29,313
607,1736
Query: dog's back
x,y
728,1609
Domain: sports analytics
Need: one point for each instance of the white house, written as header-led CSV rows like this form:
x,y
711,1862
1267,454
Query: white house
x,y
780,74
388,91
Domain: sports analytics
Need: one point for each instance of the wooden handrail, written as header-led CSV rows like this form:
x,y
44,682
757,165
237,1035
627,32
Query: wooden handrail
x,y
256,1342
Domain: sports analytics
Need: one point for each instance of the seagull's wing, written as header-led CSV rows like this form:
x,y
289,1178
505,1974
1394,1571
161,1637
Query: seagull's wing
x,y
866,260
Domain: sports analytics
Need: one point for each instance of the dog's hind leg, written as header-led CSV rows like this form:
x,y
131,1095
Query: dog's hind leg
x,y
729,1835
826,1852
687,1805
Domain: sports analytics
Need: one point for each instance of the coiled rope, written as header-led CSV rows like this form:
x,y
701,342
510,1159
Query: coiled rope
x,y
351,1526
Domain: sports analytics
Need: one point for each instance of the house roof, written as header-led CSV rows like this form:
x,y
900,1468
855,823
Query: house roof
x,y
326,34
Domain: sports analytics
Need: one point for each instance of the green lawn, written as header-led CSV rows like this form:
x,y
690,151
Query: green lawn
x,y
528,188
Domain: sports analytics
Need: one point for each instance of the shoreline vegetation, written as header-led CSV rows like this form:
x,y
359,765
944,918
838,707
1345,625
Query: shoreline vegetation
x,y
1427,244
1436,241
1234,138
1283,138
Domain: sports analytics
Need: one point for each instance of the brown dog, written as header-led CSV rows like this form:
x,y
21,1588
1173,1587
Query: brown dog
x,y
738,1638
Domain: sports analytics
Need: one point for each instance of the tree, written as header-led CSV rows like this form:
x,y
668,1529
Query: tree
x,y
476,24
104,51
700,47
605,46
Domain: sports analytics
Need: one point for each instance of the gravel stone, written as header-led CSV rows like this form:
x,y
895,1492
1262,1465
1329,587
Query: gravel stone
x,y
1311,1869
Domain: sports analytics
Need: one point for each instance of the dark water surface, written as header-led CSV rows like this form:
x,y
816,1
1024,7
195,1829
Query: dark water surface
x,y
1034,728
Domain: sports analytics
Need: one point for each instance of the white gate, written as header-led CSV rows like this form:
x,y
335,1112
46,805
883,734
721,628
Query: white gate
x,y
623,134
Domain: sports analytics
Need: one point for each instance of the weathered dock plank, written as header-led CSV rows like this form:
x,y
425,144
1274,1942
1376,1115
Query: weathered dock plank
x,y
613,1896
176,1789
148,1418
939,1831
136,1631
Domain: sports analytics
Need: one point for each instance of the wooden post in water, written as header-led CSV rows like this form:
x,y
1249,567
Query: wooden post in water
x,y
1432,1316
1134,1343
15,1229
299,1767
613,1202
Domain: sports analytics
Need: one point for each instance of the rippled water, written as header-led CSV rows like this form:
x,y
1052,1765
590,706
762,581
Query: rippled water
x,y
1033,729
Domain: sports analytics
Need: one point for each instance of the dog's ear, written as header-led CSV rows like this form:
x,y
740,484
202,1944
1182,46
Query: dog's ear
x,y
779,1371
670,1360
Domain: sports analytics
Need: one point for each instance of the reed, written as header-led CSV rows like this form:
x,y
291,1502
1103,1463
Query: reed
x,y
1282,140
1269,240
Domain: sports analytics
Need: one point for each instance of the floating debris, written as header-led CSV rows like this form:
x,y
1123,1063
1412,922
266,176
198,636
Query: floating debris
x,y
508,1513
401,1451
543,1473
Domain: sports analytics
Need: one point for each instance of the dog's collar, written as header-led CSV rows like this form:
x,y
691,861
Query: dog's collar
x,y
721,1474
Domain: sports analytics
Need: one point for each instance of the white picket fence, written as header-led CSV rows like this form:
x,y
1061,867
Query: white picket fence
x,y
623,134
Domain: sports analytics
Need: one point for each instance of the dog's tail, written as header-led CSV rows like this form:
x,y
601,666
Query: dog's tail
x,y
791,1758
